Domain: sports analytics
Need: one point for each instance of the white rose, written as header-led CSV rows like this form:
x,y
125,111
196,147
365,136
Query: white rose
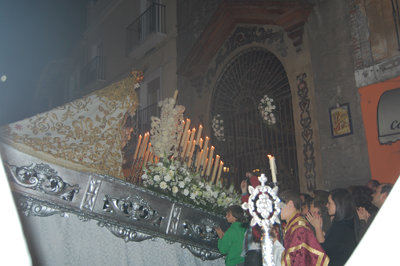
x,y
144,177
157,178
174,189
193,196
186,192
163,185
167,178
181,184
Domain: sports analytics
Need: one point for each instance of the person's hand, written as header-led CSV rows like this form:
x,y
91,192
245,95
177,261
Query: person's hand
x,y
274,233
243,186
219,231
363,214
314,219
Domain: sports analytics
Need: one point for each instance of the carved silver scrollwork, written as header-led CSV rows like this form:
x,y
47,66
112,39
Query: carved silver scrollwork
x,y
202,253
126,233
42,177
204,230
132,207
91,194
32,208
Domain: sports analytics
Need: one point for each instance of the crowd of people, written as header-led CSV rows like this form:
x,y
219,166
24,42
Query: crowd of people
x,y
319,229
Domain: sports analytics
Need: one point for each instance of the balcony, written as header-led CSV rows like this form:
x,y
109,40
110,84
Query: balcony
x,y
146,31
144,117
92,71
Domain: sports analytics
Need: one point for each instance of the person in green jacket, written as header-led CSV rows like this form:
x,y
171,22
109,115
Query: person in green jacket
x,y
230,243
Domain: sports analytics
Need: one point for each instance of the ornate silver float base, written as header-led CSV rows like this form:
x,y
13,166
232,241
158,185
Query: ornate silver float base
x,y
129,212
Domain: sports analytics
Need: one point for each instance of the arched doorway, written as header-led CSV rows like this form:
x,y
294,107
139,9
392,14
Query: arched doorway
x,y
247,137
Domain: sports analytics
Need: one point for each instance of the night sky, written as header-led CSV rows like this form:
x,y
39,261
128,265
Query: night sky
x,y
33,33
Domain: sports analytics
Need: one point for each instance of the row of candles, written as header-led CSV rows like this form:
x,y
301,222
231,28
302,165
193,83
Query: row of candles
x,y
193,151
196,153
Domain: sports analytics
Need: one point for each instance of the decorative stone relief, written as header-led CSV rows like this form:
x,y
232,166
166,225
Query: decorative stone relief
x,y
244,35
307,132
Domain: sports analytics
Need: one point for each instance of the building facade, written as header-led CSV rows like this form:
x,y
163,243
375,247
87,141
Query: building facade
x,y
316,60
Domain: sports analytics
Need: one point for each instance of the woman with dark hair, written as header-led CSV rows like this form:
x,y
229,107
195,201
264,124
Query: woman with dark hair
x,y
317,215
230,243
366,211
340,240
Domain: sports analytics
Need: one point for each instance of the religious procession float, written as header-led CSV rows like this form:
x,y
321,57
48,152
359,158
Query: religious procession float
x,y
69,161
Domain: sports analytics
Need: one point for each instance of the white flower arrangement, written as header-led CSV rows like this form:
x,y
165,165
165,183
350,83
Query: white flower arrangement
x,y
172,179
164,130
266,108
217,125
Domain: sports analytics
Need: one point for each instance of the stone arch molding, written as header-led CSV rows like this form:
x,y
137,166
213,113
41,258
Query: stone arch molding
x,y
244,36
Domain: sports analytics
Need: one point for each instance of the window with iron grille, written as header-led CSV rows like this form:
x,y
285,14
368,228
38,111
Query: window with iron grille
x,y
247,136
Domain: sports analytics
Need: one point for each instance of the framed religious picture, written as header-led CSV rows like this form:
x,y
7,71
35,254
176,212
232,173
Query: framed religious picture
x,y
340,120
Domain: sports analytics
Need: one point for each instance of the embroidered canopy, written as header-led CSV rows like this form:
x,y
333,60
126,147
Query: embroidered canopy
x,y
83,135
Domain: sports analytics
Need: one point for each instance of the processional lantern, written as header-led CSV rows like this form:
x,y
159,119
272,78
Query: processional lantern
x,y
264,207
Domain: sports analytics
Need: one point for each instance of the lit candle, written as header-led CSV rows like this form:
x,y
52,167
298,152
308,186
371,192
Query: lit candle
x,y
272,166
187,124
146,157
200,143
180,134
205,147
185,148
192,149
214,172
191,152
192,133
210,158
144,145
206,142
137,147
221,166
203,159
204,168
198,159
199,133
184,142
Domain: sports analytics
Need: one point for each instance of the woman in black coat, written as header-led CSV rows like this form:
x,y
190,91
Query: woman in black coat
x,y
340,240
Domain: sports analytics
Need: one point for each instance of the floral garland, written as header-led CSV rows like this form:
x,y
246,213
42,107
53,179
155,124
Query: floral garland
x,y
217,125
170,178
267,108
